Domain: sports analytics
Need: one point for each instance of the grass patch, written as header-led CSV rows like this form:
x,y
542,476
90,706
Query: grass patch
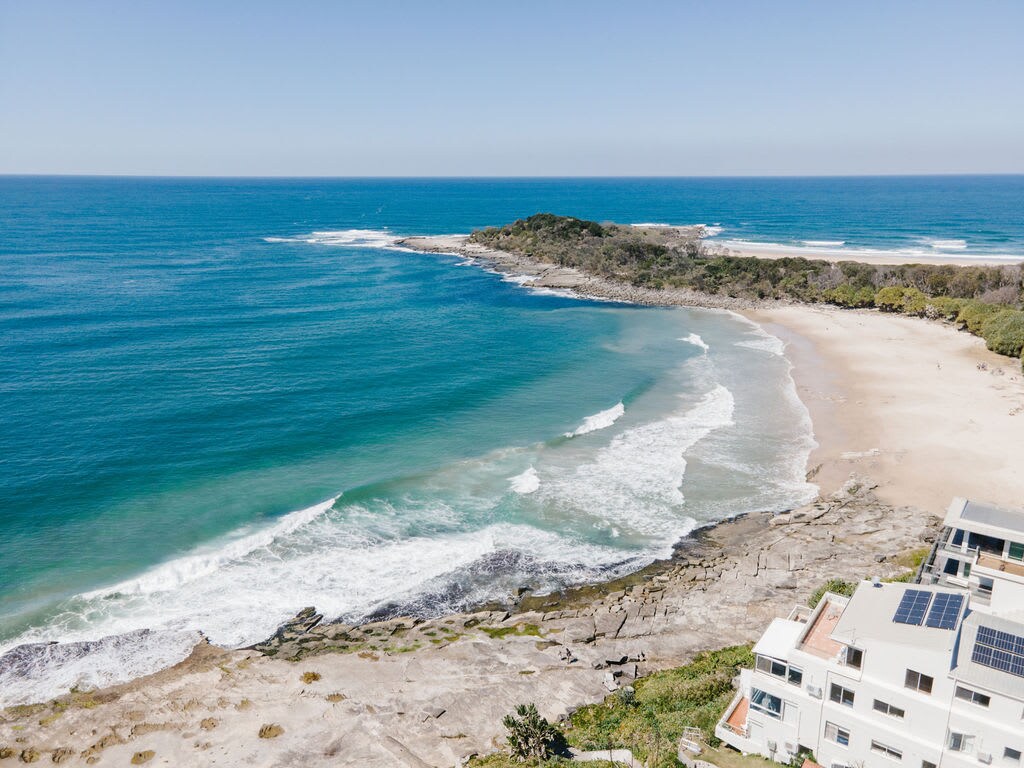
x,y
310,677
912,558
836,586
517,630
270,731
651,720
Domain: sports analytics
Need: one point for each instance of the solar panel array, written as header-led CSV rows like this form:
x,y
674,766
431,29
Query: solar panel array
x,y
912,607
944,611
999,650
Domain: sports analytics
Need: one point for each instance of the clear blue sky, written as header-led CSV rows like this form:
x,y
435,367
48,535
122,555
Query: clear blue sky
x,y
514,88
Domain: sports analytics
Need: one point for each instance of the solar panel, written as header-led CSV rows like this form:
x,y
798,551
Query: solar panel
x,y
999,650
912,607
944,611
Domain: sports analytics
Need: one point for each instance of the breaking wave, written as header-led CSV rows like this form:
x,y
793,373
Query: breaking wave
x,y
600,420
696,340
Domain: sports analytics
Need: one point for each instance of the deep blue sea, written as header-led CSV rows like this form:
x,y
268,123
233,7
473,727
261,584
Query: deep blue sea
x,y
223,400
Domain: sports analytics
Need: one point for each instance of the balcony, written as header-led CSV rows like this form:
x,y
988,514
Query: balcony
x,y
996,563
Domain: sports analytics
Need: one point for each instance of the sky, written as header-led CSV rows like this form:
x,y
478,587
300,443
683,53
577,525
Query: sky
x,y
523,88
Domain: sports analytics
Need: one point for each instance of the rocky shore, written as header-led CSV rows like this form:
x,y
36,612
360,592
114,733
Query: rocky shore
x,y
559,278
417,692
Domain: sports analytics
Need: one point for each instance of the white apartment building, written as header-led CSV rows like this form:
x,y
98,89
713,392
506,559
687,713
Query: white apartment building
x,y
926,675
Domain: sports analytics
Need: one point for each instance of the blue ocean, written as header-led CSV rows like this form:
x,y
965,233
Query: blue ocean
x,y
226,399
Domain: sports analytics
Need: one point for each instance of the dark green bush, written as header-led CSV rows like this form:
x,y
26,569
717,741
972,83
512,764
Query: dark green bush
x,y
1003,332
973,315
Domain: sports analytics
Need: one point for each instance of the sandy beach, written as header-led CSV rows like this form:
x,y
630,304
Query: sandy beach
x,y
907,414
835,254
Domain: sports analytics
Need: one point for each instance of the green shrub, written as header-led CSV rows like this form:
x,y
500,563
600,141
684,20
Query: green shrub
x,y
890,299
846,295
836,586
973,315
895,298
1004,332
944,307
530,736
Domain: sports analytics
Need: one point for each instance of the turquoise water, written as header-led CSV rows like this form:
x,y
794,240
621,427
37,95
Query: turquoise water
x,y
224,400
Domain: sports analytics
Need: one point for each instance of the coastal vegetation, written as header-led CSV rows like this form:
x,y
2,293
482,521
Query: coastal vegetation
x,y
986,301
649,718
530,736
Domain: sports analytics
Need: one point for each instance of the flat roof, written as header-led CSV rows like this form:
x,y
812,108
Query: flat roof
x,y
869,616
984,518
781,637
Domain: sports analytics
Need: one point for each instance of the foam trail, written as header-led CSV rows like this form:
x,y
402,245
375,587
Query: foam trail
x,y
635,481
174,574
696,340
352,238
524,483
824,243
948,245
764,341
600,420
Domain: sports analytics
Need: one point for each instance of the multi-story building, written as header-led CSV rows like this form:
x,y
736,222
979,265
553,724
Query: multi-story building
x,y
923,675
981,549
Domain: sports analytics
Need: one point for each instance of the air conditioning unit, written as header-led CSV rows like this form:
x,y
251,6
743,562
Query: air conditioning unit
x,y
985,757
791,747
814,691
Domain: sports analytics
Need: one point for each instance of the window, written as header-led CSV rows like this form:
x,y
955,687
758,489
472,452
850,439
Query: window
x,y
792,675
960,742
915,681
840,695
882,749
888,709
1016,551
952,567
837,733
1011,754
926,764
972,696
854,657
764,702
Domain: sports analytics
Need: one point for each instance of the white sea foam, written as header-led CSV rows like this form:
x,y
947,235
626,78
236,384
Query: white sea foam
x,y
526,482
517,279
44,671
352,238
696,340
763,341
600,420
635,481
709,230
948,245
839,249
175,573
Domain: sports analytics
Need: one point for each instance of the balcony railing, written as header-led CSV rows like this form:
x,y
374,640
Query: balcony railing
x,y
996,563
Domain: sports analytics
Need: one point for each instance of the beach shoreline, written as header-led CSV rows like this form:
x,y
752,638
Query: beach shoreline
x,y
893,447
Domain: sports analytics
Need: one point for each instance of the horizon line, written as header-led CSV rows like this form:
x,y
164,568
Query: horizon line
x,y
498,177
